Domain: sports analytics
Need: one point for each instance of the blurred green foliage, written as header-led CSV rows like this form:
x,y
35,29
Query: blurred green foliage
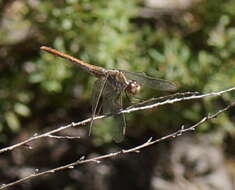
x,y
195,48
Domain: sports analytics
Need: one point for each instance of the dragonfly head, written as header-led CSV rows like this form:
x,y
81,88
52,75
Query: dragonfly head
x,y
133,87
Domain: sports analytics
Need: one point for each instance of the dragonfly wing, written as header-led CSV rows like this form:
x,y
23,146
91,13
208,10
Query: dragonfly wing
x,y
150,82
118,131
112,103
99,84
96,97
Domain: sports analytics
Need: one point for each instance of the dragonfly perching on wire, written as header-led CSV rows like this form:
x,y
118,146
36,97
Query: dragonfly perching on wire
x,y
110,86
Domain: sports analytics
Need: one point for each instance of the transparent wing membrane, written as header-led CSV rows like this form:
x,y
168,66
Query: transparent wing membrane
x,y
112,103
150,82
96,97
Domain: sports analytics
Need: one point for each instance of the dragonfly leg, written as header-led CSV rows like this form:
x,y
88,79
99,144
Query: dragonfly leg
x,y
97,103
128,97
99,109
133,97
123,117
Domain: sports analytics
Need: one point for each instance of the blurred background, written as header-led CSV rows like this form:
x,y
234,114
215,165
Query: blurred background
x,y
191,42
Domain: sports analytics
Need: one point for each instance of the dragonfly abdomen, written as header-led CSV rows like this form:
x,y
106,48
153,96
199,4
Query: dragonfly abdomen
x,y
98,72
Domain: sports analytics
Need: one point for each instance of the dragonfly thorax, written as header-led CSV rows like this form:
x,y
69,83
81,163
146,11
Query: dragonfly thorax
x,y
133,87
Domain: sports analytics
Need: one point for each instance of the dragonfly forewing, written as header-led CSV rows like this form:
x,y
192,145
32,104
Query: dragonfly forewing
x,y
112,104
96,98
150,82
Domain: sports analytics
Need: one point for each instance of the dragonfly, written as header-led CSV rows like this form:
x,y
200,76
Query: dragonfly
x,y
109,88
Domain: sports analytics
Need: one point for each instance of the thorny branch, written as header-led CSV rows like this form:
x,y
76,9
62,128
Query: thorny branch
x,y
186,96
136,149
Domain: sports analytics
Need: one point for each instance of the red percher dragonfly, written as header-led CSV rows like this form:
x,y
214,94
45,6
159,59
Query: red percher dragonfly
x,y
109,87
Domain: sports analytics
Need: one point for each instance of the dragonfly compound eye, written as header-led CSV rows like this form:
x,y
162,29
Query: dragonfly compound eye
x,y
133,87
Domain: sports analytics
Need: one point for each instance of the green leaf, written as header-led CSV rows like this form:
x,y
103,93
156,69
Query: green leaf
x,y
22,109
12,121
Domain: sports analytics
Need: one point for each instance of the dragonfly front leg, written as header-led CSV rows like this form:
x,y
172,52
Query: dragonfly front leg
x,y
130,100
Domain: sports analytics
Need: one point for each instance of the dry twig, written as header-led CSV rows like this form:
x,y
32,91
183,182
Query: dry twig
x,y
136,149
160,101
127,110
